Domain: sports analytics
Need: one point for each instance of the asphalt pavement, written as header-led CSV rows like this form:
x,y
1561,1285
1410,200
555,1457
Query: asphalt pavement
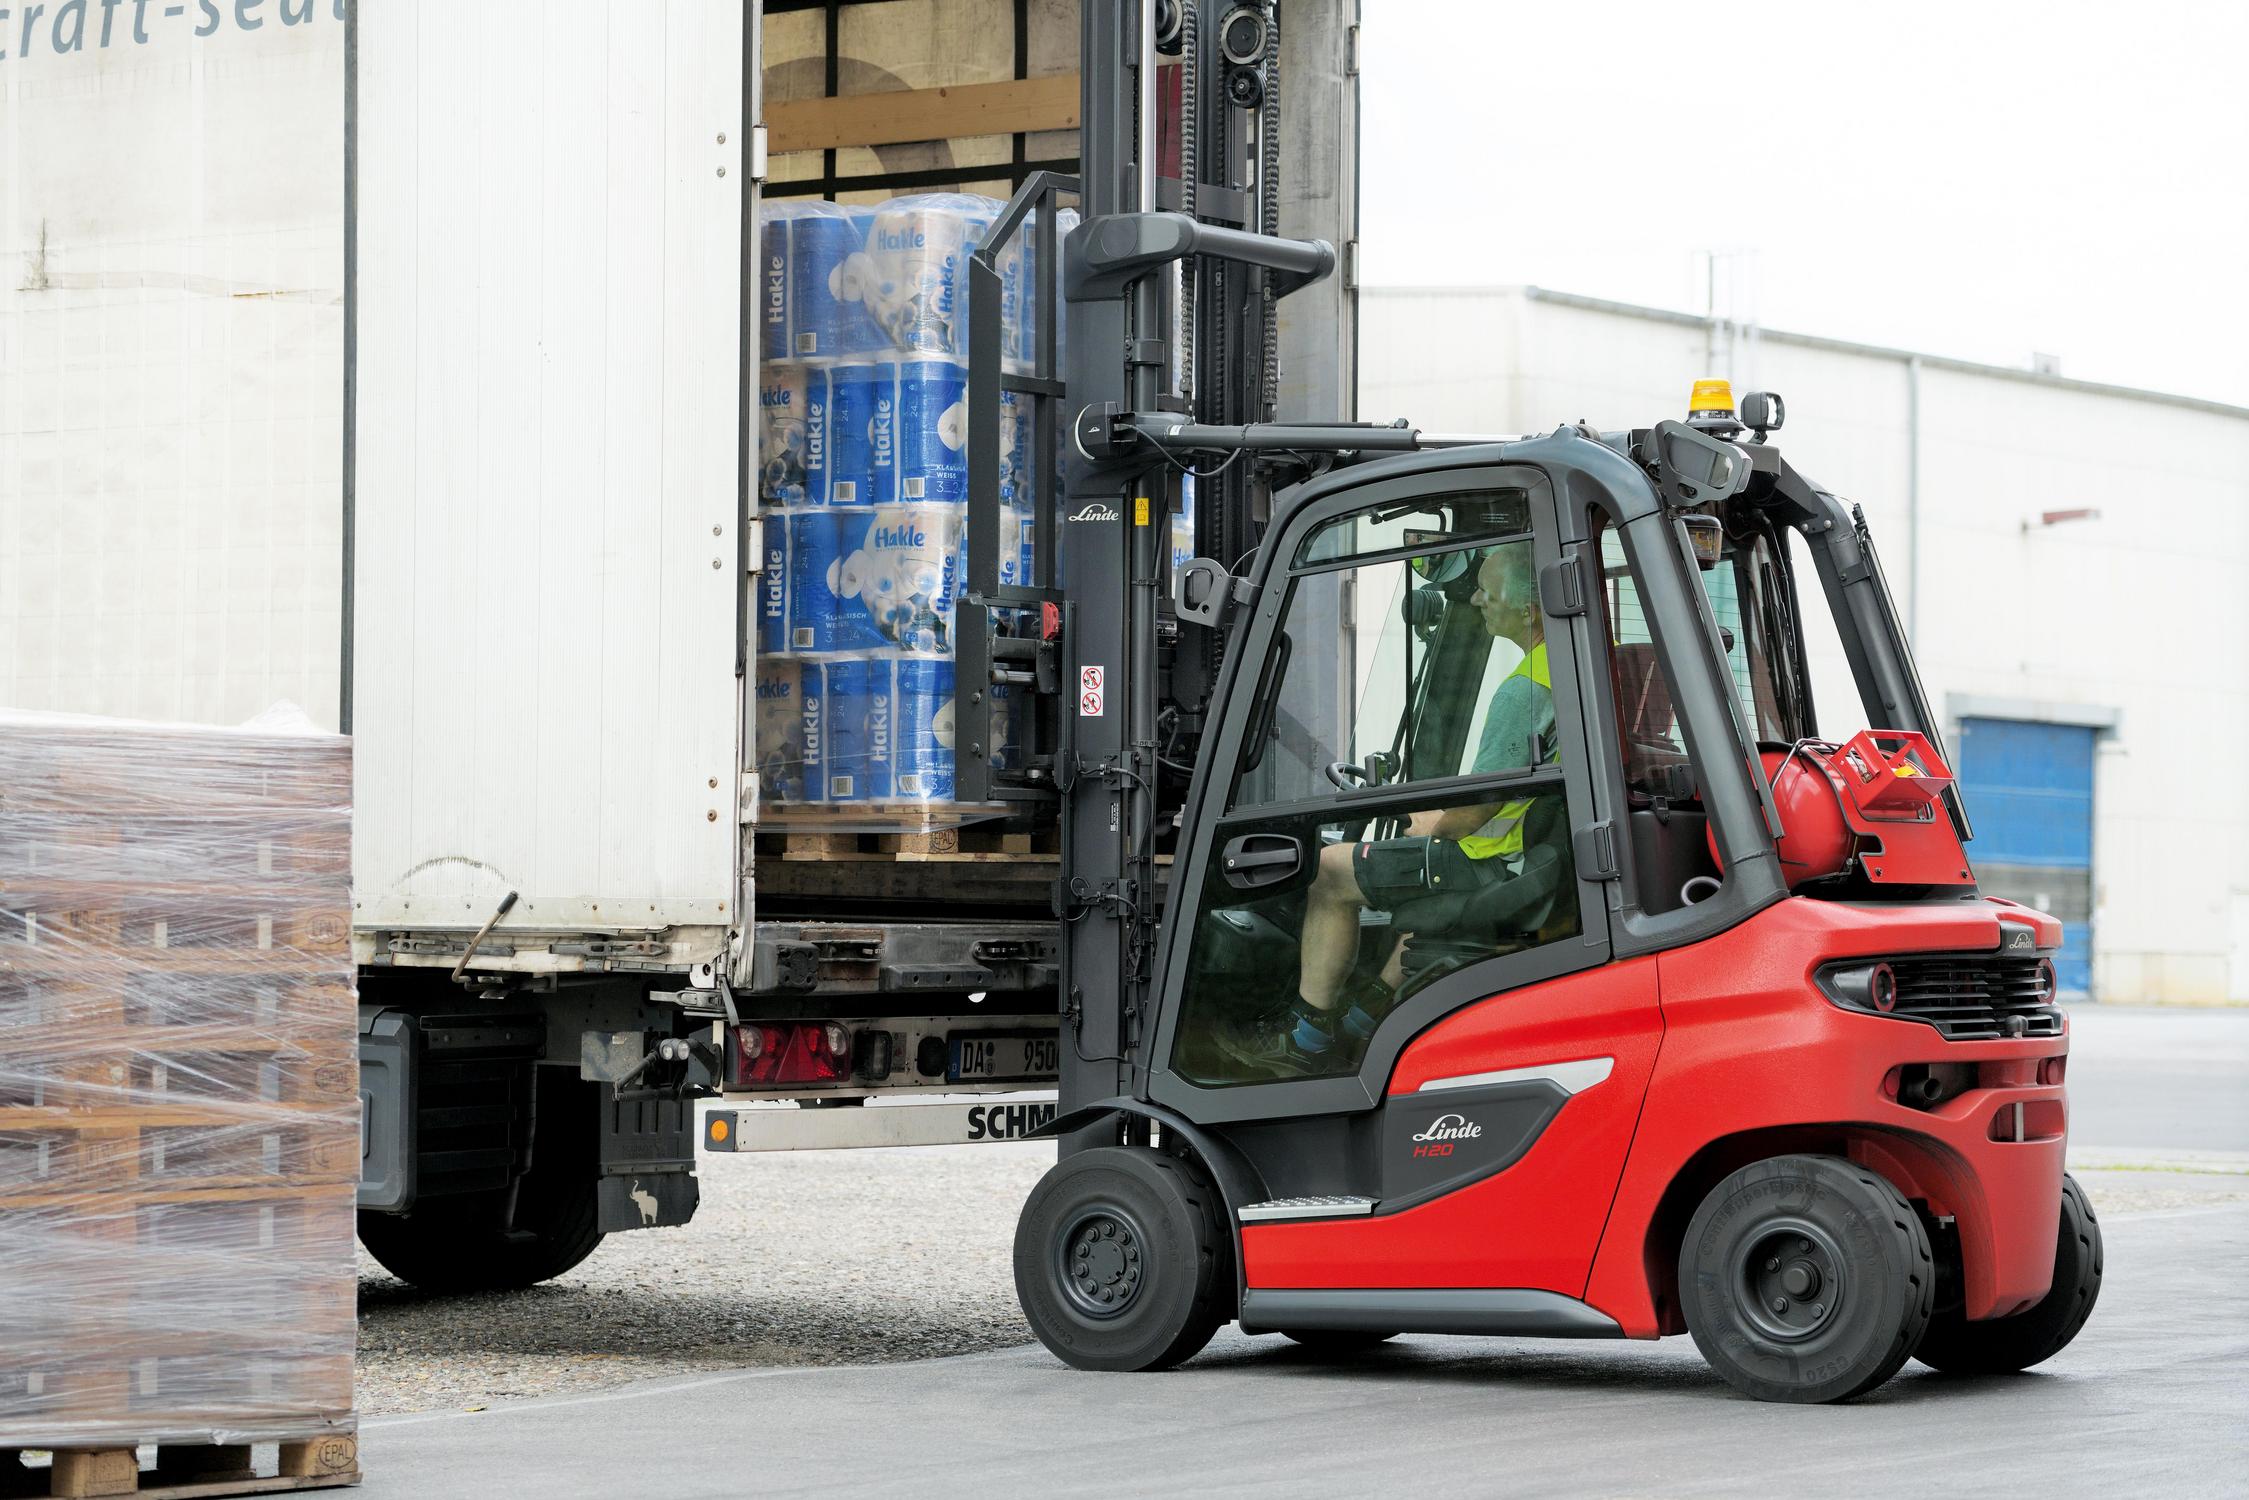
x,y
2149,1400
2160,1080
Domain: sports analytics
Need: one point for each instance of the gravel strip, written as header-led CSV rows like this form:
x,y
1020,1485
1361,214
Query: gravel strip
x,y
818,1257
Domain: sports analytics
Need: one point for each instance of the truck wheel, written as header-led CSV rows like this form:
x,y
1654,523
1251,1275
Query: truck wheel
x,y
1337,1342
1120,1260
2002,1346
459,1245
1806,1278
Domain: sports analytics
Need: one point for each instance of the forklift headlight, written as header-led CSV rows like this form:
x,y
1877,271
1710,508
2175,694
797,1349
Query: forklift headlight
x,y
1865,986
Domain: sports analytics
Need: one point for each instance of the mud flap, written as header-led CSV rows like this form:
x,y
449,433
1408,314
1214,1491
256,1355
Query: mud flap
x,y
647,1163
635,1199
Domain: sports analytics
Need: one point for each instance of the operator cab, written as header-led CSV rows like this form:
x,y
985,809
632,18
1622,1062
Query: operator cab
x,y
1499,702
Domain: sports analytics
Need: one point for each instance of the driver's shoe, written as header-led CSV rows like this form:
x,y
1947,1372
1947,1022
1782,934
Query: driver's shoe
x,y
1294,1041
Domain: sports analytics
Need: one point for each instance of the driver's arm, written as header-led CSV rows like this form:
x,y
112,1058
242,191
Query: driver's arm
x,y
1451,822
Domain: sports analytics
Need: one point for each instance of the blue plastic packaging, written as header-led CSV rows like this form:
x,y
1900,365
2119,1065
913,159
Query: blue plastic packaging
x,y
828,271
918,249
924,728
863,432
932,429
773,283
780,728
862,723
812,740
773,588
781,437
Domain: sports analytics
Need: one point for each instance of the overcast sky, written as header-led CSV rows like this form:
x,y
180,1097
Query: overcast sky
x,y
1984,178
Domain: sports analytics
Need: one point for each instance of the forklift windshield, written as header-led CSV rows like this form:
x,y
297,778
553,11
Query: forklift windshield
x,y
1752,604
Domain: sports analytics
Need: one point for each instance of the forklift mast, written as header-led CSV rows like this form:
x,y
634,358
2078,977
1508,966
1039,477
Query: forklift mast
x,y
1172,283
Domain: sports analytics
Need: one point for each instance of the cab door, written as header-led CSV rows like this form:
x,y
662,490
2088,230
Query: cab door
x,y
1403,738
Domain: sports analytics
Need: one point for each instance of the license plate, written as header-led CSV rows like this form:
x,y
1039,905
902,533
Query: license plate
x,y
1002,1057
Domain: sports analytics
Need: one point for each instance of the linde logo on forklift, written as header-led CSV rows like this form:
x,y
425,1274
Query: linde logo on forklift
x,y
1096,511
1442,1133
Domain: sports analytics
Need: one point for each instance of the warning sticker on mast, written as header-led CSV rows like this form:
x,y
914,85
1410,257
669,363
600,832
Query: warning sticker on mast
x,y
1090,691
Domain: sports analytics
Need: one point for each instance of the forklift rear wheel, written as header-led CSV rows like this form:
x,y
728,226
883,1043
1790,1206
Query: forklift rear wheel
x,y
1806,1278
1337,1341
2002,1346
1120,1261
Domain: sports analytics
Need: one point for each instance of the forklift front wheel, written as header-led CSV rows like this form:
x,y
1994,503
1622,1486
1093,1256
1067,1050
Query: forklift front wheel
x,y
1806,1278
1119,1260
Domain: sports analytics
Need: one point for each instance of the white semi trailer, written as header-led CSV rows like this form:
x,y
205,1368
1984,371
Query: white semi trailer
x,y
576,909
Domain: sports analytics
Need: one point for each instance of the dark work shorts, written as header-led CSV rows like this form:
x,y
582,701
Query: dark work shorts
x,y
1391,872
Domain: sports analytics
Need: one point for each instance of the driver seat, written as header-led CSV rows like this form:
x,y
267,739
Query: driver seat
x,y
1509,914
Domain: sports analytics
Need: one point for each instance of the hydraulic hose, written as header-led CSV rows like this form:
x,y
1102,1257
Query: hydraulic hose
x,y
1269,198
1190,173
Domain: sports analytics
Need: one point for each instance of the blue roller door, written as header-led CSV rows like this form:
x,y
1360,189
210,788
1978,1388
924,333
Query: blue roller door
x,y
2030,796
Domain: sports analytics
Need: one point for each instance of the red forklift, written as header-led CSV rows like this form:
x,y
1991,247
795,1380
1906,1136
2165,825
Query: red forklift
x,y
1520,959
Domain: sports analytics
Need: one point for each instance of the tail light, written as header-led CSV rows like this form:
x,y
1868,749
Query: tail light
x,y
2048,985
790,1052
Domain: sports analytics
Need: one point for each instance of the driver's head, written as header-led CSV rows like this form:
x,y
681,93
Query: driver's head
x,y
1507,595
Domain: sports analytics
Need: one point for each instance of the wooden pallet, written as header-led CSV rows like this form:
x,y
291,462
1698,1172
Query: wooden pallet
x,y
63,927
973,842
182,1470
304,850
161,1310
130,771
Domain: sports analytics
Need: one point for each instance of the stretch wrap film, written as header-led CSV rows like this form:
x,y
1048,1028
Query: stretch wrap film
x,y
179,1112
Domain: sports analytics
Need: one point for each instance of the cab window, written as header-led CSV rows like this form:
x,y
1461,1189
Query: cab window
x,y
1397,812
1748,598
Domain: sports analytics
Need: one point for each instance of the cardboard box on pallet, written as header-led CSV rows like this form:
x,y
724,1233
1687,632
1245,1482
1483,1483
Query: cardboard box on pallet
x,y
178,1089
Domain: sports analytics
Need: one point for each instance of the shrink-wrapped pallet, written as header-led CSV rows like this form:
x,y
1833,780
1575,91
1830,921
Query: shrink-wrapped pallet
x,y
178,1085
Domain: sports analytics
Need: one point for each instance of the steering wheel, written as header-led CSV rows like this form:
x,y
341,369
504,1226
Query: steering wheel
x,y
1347,777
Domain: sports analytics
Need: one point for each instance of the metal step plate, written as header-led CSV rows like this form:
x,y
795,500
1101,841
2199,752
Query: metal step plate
x,y
1326,1207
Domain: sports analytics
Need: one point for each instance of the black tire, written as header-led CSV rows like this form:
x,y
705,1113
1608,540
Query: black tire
x,y
2003,1346
459,1245
1806,1278
1148,1277
1337,1342
467,1243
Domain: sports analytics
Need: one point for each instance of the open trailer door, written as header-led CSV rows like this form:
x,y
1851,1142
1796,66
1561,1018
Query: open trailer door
x,y
544,462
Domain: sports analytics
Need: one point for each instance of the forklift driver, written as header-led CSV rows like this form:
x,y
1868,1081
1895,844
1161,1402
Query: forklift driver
x,y
1455,851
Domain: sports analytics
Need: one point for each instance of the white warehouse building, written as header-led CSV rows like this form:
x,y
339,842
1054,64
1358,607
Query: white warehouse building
x,y
2072,560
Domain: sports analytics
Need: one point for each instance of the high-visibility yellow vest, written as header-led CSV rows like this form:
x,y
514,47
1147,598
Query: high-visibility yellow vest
x,y
1503,833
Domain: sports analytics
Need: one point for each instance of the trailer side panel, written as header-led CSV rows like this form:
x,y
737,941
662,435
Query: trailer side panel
x,y
547,418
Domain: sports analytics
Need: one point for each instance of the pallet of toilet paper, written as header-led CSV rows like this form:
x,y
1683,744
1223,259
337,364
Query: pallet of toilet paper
x,y
864,483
